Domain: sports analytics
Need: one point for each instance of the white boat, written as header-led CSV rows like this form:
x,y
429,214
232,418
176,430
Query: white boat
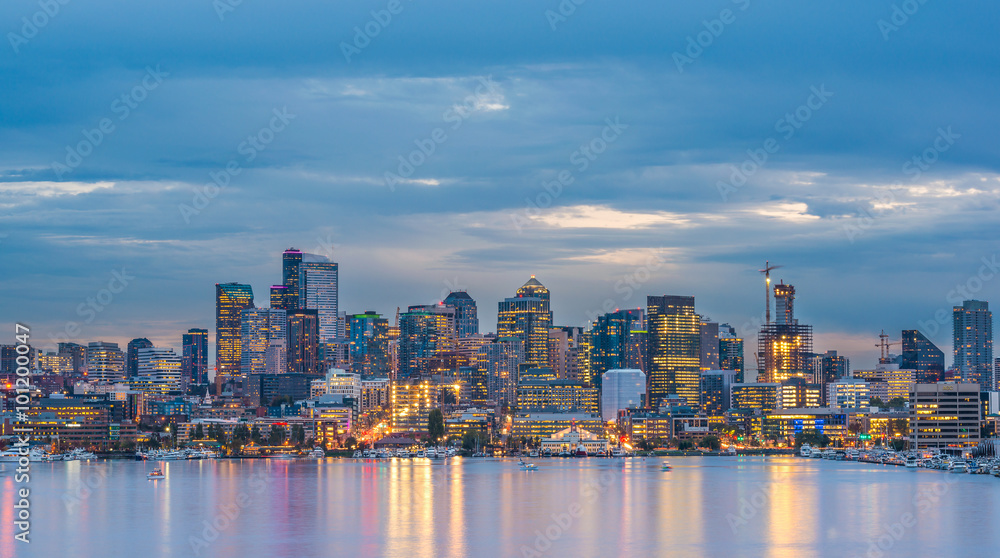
x,y
527,466
958,467
731,450
156,474
912,462
617,452
318,453
13,455
805,450
534,453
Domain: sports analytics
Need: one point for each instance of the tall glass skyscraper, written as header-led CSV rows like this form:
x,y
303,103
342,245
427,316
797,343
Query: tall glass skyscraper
x,y
920,354
290,261
973,334
230,301
194,356
369,344
281,298
132,355
499,362
318,291
730,350
674,331
303,342
466,315
424,332
527,317
784,348
610,335
264,333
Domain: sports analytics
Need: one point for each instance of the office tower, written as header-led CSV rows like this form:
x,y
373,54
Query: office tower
x,y
466,315
920,354
674,354
318,291
541,394
9,355
944,415
230,301
424,332
475,385
281,298
159,371
303,342
194,356
622,389
132,355
566,353
499,362
784,347
79,356
709,344
263,331
610,335
830,367
763,396
290,261
730,350
105,362
717,391
412,401
368,335
848,393
973,328
527,317
54,363
797,393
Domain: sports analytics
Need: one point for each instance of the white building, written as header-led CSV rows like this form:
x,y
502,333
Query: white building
x,y
159,370
621,389
318,291
848,393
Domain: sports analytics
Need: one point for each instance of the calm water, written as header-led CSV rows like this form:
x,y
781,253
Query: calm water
x,y
721,506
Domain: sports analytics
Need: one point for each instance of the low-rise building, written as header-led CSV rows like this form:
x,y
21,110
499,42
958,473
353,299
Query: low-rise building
x,y
944,415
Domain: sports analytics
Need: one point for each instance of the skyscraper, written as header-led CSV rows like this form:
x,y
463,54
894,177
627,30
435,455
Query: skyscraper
x,y
784,348
527,317
78,354
281,299
567,356
230,300
621,389
105,362
194,356
424,332
499,362
369,344
674,354
717,391
730,350
290,261
920,354
973,329
303,342
159,371
132,355
317,286
610,335
709,345
466,315
263,331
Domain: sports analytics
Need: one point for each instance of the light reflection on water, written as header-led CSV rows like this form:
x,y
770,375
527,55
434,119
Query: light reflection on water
x,y
722,506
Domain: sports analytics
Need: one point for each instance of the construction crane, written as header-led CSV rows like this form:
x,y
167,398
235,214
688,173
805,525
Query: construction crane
x,y
883,345
767,288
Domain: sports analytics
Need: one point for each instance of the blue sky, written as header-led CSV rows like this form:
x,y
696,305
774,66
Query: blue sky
x,y
510,98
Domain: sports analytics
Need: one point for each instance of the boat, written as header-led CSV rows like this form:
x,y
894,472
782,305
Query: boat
x,y
617,452
533,453
525,466
318,453
958,467
911,462
580,451
156,474
731,450
816,453
805,450
13,455
665,466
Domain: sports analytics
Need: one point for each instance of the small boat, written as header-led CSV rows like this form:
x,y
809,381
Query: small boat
x,y
318,453
912,462
731,450
527,466
533,453
665,466
156,474
805,450
958,467
580,451
617,452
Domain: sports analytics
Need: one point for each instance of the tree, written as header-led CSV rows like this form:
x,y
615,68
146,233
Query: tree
x,y
448,397
710,442
684,445
276,436
876,402
474,438
199,433
897,403
350,442
435,425
811,437
278,400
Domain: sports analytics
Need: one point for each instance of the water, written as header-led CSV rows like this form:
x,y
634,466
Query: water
x,y
716,506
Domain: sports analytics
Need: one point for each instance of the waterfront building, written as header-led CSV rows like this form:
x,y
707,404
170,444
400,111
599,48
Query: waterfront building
x,y
919,354
132,355
318,290
784,347
785,424
159,371
105,362
570,439
944,415
674,331
536,394
544,425
194,356
527,317
230,301
763,396
412,401
669,422
263,388
849,393
796,393
717,391
973,336
622,389
466,315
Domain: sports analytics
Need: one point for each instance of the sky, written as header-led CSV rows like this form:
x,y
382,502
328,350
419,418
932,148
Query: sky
x,y
614,150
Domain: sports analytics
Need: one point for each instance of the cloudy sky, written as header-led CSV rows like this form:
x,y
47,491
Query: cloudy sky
x,y
853,142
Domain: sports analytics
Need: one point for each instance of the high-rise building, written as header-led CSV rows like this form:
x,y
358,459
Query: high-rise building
x,y
79,355
318,291
622,389
263,331
717,391
796,393
973,334
499,362
920,354
567,353
466,315
303,342
194,356
674,331
610,335
105,362
290,261
848,393
730,350
159,371
709,345
230,301
944,415
784,348
527,317
54,363
763,396
132,355
536,394
412,401
369,344
281,298
424,332
637,350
